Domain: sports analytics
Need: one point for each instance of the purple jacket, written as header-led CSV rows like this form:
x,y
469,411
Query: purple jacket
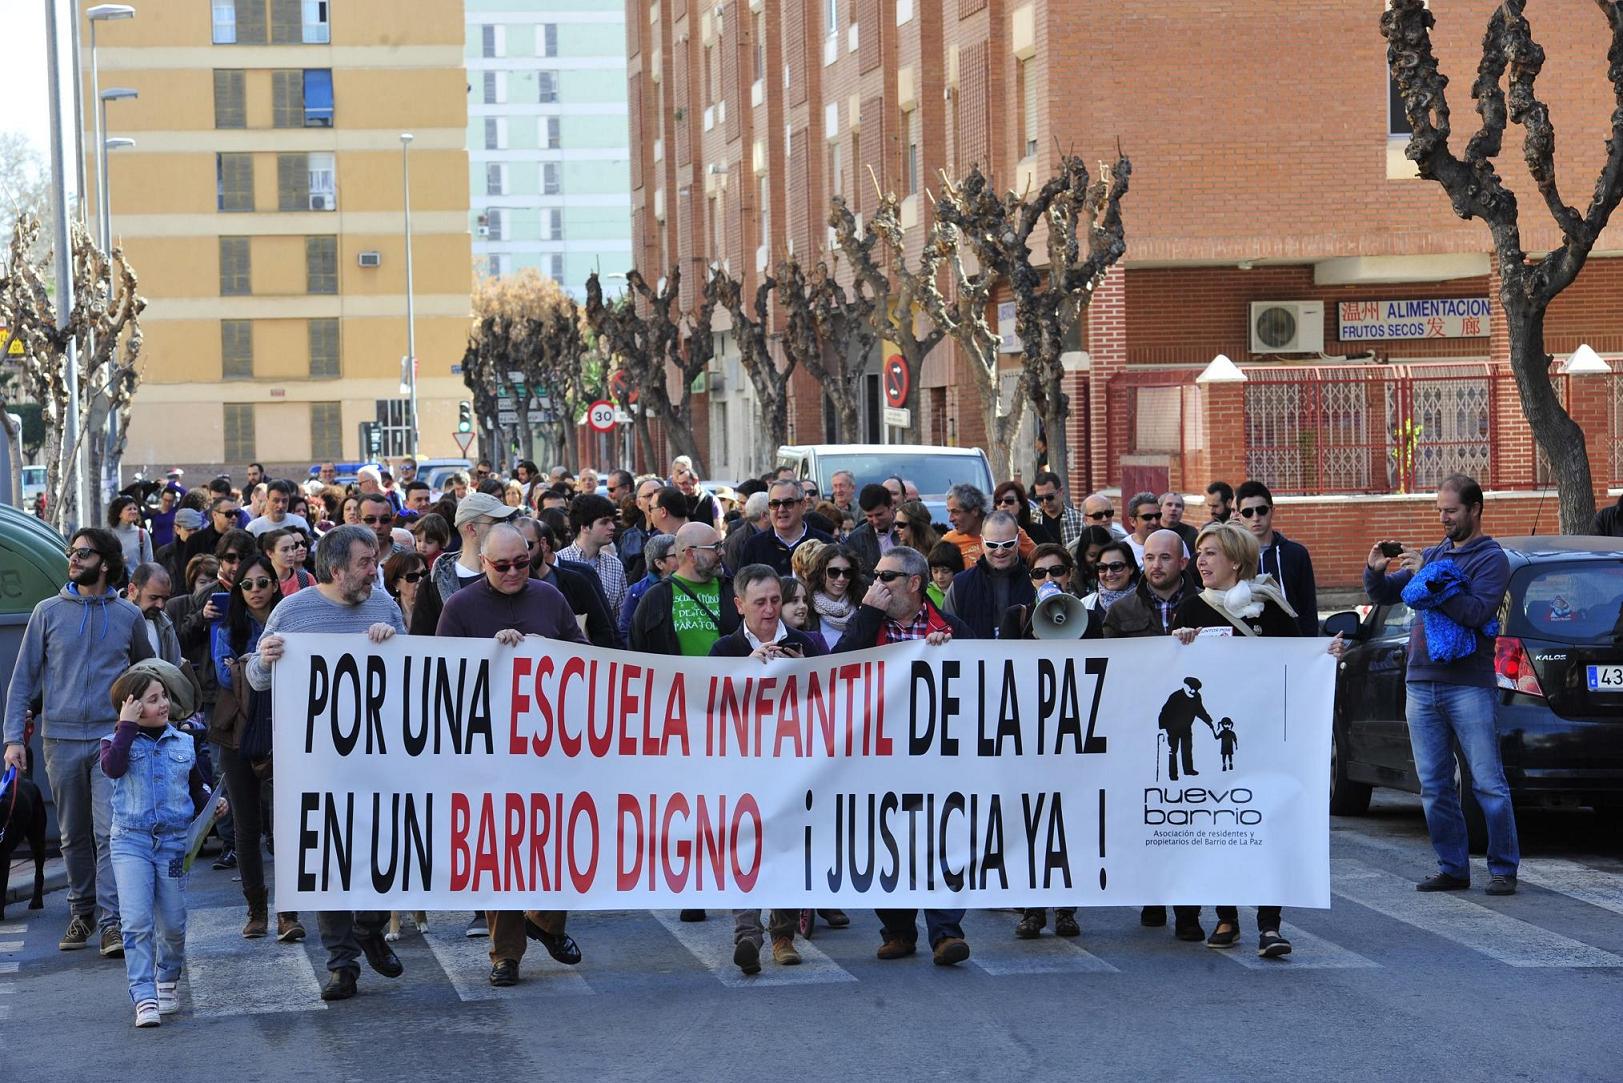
x,y
479,611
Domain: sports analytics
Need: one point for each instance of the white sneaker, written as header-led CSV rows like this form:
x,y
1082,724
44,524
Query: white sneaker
x,y
168,998
146,1013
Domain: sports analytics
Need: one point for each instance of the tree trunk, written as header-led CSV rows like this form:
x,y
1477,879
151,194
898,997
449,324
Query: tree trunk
x,y
679,434
1557,434
1056,413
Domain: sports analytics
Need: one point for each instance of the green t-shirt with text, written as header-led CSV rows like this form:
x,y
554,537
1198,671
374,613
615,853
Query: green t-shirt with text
x,y
695,628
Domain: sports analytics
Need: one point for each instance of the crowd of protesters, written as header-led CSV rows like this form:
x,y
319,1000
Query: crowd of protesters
x,y
150,671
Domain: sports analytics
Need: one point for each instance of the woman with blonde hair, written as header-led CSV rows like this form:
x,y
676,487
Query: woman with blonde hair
x,y
804,556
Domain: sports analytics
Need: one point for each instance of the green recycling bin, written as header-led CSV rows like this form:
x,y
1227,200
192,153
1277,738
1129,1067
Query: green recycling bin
x,y
33,567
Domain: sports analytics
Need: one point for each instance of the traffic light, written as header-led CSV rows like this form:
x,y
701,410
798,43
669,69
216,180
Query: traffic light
x,y
464,416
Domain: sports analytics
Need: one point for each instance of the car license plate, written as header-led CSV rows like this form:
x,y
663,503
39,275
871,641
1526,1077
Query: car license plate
x,y
1606,679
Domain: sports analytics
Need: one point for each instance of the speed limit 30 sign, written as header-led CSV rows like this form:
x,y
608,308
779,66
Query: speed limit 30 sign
x,y
600,416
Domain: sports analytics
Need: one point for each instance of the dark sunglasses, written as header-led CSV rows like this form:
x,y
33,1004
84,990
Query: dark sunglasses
x,y
376,520
1113,567
1097,515
1011,501
299,545
1149,517
412,577
1057,571
1047,497
784,503
502,567
259,582
889,577
1249,513
83,552
837,573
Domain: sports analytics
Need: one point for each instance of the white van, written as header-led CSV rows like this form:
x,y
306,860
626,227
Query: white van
x,y
933,469
33,485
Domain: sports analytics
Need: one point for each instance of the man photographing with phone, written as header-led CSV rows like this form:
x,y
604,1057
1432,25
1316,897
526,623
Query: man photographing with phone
x,y
1455,587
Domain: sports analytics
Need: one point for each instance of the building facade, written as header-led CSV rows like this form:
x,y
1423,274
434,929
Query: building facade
x,y
548,157
262,206
1273,218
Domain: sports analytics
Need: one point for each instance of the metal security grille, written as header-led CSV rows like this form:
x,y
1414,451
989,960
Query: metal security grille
x,y
237,349
236,277
239,432
321,264
287,98
324,349
326,430
234,175
230,98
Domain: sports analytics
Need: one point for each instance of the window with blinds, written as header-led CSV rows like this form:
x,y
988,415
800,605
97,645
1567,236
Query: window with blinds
x,y
547,86
321,264
250,23
554,128
292,182
326,430
287,98
234,176
495,179
551,179
287,22
239,432
549,39
230,98
1028,108
235,267
324,349
237,349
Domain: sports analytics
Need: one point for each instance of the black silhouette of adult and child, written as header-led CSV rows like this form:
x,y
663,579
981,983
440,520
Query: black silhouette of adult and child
x,y
1178,717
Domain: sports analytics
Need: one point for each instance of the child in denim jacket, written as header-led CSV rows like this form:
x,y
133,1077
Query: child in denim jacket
x,y
157,790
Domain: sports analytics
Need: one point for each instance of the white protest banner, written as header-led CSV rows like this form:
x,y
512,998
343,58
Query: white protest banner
x,y
458,774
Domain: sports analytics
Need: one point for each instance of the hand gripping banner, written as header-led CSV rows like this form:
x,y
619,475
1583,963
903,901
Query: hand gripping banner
x,y
459,774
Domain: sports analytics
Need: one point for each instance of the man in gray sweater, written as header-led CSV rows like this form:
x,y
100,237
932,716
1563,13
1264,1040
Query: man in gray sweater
x,y
343,601
76,645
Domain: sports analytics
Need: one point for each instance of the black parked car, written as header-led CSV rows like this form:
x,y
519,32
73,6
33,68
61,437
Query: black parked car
x,y
1559,663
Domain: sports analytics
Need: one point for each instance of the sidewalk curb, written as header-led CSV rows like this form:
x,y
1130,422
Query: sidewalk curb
x,y
21,886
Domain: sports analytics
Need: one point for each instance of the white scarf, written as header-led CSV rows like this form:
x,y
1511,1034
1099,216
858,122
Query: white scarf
x,y
1245,601
834,612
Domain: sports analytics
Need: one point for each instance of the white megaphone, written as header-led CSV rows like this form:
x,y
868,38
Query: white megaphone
x,y
1058,614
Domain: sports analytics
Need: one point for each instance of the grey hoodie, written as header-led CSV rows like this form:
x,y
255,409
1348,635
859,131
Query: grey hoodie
x,y
73,650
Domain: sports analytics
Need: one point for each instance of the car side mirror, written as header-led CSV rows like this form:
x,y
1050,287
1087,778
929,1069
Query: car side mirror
x,y
1347,624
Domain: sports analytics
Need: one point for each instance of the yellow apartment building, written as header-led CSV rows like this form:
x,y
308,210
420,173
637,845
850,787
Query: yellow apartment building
x,y
262,206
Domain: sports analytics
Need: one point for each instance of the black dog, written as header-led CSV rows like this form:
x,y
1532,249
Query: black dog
x,y
20,819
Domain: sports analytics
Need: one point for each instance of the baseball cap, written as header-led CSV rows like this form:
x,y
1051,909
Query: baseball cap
x,y
189,519
475,505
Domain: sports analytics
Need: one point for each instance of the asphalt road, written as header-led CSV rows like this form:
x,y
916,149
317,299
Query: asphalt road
x,y
1386,984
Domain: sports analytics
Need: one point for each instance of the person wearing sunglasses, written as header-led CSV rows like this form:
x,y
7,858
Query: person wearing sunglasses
x,y
786,507
1099,510
1117,570
403,575
1056,520
1144,519
255,593
1287,561
835,583
1011,496
895,609
77,643
967,510
982,594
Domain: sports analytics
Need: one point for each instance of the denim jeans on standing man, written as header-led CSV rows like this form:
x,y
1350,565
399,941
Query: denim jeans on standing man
x,y
938,924
152,889
84,815
1440,714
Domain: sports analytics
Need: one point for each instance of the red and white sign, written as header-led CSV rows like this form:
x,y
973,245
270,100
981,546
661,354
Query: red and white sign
x,y
600,416
897,381
463,439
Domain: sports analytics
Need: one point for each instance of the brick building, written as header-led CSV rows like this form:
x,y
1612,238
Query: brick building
x,y
1272,213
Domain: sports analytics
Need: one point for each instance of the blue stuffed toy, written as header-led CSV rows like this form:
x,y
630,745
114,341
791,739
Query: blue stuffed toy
x,y
1447,640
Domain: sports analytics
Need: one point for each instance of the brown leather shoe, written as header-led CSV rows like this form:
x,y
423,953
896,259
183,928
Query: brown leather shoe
x,y
783,951
896,947
257,918
288,928
950,950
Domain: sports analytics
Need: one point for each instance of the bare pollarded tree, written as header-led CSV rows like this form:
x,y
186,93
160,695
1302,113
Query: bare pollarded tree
x,y
1085,236
1475,189
752,328
104,328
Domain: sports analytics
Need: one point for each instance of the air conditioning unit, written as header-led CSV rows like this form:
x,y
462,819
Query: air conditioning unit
x,y
1287,326
370,259
484,231
320,201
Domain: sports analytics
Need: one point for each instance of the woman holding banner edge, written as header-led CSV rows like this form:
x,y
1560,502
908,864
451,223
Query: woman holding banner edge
x,y
1235,600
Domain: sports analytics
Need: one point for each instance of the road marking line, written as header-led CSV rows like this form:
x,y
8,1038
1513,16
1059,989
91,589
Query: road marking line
x,y
466,962
9,968
1308,952
711,942
1468,923
994,949
13,930
229,975
11,945
1569,878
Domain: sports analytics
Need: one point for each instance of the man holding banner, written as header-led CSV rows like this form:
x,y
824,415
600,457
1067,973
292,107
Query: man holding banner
x,y
343,601
896,610
508,605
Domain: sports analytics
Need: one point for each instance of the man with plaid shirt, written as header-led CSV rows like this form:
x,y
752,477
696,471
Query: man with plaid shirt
x,y
1057,520
896,609
594,518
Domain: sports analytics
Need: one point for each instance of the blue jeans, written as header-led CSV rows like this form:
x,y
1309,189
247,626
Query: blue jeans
x,y
84,815
151,892
1440,714
938,924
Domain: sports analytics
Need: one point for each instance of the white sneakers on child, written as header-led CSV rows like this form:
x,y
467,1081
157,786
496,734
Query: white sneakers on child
x,y
168,998
146,1013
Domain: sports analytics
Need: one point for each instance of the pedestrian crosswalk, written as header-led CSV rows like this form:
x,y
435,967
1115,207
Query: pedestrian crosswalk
x,y
1374,924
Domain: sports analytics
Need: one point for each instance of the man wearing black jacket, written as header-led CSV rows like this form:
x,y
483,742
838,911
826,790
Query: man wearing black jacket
x,y
983,593
1287,561
578,583
1608,522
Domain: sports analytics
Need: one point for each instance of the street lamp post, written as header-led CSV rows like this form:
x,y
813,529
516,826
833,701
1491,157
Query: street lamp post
x,y
411,322
77,509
